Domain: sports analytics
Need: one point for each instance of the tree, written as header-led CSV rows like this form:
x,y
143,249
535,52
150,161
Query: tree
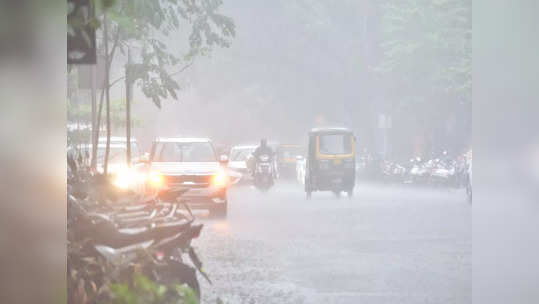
x,y
428,41
146,25
426,63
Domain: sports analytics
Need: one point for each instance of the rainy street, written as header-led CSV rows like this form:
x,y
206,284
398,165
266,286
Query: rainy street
x,y
388,244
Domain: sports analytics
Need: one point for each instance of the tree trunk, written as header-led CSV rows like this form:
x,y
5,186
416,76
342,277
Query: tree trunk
x,y
94,120
105,84
128,93
95,141
107,93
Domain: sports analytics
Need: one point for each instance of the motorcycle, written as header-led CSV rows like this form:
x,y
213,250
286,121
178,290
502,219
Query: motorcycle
x,y
107,241
418,172
443,173
264,173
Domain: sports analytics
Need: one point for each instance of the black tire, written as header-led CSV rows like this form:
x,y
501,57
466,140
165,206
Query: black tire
x,y
190,279
308,193
337,193
350,193
219,210
192,282
178,272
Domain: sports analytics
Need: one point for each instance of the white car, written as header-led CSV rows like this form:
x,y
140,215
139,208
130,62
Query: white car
x,y
191,163
117,155
122,140
237,160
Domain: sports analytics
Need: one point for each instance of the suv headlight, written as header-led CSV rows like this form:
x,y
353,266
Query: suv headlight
x,y
219,180
126,177
156,179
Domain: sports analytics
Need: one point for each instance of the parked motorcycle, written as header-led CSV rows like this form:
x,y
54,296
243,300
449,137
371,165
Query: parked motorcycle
x,y
418,172
112,243
443,173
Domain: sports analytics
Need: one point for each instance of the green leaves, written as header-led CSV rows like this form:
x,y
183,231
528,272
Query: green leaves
x,y
427,48
147,24
146,291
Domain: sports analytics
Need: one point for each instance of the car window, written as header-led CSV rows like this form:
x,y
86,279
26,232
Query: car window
x,y
240,154
186,152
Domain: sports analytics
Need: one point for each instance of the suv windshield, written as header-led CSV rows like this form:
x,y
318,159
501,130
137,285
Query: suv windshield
x,y
335,144
185,152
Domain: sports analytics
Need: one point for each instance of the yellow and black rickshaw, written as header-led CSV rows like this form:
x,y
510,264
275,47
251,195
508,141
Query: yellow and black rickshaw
x,y
331,161
287,155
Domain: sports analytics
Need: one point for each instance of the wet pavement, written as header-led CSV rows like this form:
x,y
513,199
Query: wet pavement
x,y
388,244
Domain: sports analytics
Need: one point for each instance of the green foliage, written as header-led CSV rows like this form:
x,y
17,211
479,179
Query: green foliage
x,y
146,25
427,49
146,291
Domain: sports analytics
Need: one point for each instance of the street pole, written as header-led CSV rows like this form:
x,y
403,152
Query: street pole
x,y
128,92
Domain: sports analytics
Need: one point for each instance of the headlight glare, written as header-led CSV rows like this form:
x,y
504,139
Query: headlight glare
x,y
220,179
156,179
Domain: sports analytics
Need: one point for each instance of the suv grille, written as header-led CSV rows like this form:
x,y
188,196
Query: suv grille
x,y
194,181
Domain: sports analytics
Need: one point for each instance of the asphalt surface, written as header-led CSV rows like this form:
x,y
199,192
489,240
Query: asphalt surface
x,y
388,244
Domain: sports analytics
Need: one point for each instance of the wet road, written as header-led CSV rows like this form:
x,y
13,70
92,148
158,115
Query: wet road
x,y
386,245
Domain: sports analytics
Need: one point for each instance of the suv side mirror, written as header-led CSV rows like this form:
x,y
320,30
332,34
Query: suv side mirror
x,y
223,159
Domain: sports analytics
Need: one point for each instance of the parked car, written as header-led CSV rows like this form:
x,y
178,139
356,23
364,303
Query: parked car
x,y
122,140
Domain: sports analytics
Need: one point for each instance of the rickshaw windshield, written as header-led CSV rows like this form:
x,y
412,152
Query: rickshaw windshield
x,y
335,144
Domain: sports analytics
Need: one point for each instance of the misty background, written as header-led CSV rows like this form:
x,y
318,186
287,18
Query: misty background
x,y
396,72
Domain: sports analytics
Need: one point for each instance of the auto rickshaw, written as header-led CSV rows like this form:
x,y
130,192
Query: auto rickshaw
x,y
286,159
331,161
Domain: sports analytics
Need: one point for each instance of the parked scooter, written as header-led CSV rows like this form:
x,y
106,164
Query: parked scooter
x,y
443,173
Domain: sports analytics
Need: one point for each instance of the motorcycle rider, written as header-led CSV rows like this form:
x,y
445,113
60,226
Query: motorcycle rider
x,y
263,149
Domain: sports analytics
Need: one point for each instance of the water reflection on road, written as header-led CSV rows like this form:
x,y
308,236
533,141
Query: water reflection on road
x,y
396,244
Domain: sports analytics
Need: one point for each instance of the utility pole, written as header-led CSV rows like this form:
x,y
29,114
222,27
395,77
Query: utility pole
x,y
128,93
